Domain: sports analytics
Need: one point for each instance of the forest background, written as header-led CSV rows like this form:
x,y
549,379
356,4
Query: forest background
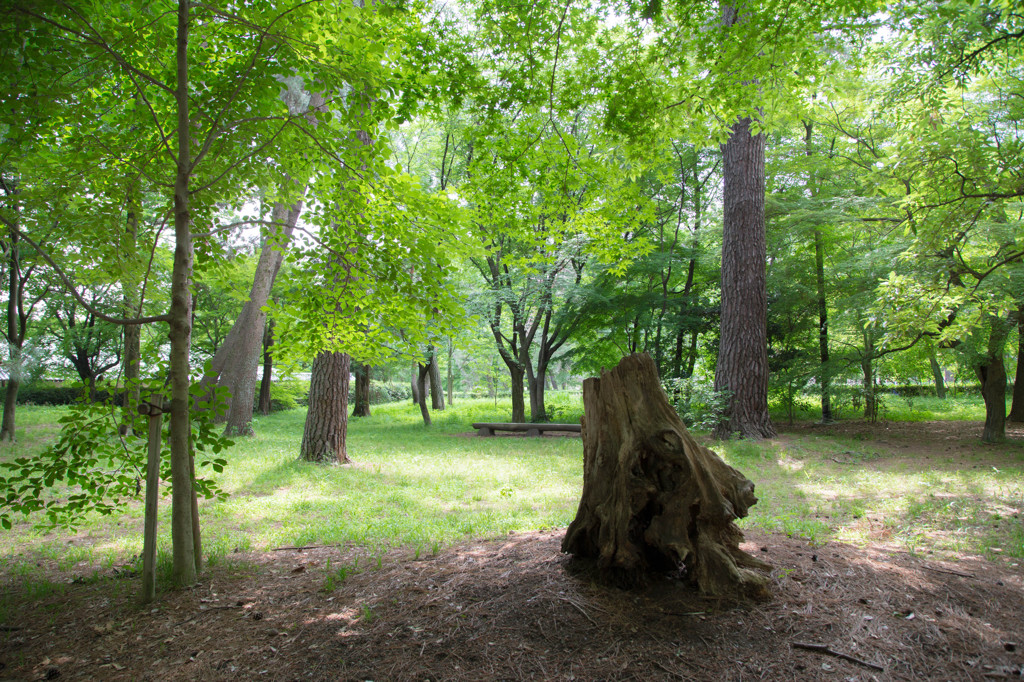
x,y
512,194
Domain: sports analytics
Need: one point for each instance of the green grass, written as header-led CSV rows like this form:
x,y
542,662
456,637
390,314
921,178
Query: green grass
x,y
426,488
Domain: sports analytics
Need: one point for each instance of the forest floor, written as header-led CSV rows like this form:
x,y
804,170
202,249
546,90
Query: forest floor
x,y
508,609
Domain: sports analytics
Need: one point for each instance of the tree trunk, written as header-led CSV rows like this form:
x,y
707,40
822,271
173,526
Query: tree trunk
x,y
421,388
182,538
268,369
517,374
436,388
992,374
132,308
742,367
362,393
823,374
10,405
940,381
234,363
15,338
653,499
415,384
323,438
448,368
1017,406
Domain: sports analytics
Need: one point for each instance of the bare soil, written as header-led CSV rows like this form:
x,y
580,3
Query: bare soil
x,y
509,609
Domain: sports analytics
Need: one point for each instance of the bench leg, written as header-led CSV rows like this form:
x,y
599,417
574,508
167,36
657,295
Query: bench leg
x,y
485,432
533,432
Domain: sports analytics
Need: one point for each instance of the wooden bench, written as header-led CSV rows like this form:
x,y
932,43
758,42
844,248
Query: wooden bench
x,y
488,428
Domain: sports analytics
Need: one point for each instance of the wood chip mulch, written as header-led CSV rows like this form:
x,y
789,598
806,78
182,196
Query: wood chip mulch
x,y
508,609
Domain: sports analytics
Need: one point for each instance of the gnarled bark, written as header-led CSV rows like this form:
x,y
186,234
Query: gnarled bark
x,y
323,438
653,499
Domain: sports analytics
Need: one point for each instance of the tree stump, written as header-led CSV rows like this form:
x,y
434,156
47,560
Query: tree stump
x,y
653,499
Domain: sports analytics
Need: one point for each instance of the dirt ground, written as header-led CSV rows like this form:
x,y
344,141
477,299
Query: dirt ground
x,y
508,609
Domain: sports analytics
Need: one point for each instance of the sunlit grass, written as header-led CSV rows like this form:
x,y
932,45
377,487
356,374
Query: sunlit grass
x,y
424,488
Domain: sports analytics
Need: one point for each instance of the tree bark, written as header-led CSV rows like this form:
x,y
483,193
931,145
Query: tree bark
x,y
653,499
940,381
423,370
362,393
266,380
183,540
992,374
323,438
132,307
414,381
436,387
1017,406
234,363
15,339
742,367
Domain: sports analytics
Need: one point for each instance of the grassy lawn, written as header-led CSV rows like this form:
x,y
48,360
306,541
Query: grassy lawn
x,y
426,488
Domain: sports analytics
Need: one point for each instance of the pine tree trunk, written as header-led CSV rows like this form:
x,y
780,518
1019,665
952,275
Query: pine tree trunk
x,y
655,501
742,367
362,393
323,438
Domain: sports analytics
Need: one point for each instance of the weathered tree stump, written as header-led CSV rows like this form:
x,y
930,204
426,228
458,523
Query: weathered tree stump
x,y
653,499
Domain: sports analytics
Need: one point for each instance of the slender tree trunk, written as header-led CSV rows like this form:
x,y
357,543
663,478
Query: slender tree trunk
x,y
742,367
323,438
268,369
992,374
363,374
132,332
940,381
182,534
1017,406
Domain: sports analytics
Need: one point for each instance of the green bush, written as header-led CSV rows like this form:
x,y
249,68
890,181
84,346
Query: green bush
x,y
286,394
699,405
49,394
387,392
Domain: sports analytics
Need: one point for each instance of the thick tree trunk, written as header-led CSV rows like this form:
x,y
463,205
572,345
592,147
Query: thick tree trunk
x,y
362,393
234,363
323,438
742,367
992,374
517,375
182,534
653,499
436,387
10,406
268,369
1017,406
940,381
